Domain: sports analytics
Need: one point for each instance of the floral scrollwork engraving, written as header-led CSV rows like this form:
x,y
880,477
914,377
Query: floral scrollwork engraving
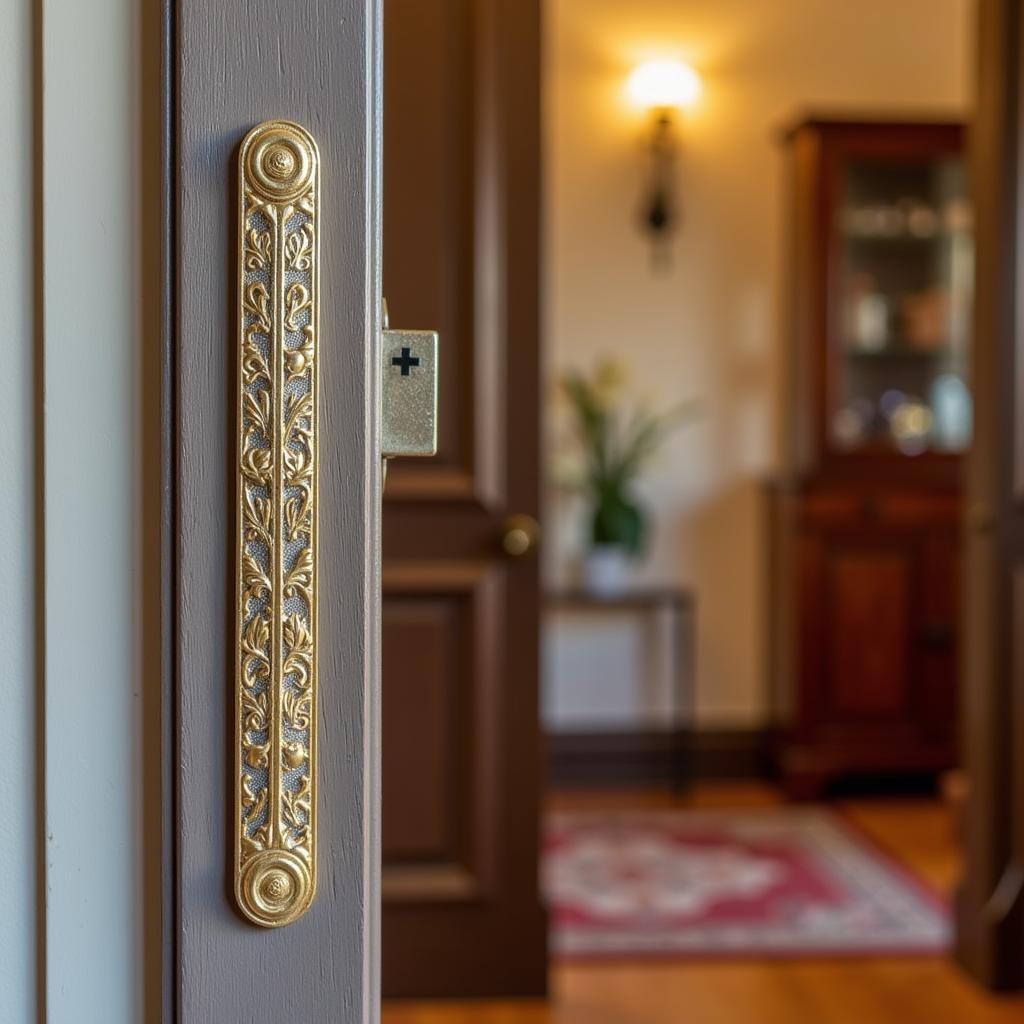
x,y
276,563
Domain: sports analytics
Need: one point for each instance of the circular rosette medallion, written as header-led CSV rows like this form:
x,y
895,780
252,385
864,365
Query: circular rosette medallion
x,y
279,161
275,887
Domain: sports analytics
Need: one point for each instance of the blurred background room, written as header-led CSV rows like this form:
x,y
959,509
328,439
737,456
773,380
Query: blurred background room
x,y
672,625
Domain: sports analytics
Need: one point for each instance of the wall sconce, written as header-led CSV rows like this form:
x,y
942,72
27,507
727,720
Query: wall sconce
x,y
664,89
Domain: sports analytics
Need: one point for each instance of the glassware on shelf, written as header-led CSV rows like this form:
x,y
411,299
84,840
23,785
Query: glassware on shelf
x,y
867,314
900,329
852,424
906,217
910,424
925,319
874,220
951,407
922,218
957,216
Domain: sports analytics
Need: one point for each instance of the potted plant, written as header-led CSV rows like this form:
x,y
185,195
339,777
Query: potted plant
x,y
617,441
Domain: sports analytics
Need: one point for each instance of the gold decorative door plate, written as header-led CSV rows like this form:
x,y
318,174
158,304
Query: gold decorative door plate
x,y
276,540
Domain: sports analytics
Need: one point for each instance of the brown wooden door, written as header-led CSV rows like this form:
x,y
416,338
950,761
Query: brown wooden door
x,y
990,901
461,911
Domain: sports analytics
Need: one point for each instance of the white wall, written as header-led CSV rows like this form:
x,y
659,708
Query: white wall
x,y
17,535
710,328
94,959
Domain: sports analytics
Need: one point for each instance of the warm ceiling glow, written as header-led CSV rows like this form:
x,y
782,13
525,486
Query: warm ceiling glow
x,y
663,83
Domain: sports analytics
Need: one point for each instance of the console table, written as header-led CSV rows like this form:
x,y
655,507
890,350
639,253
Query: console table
x,y
680,604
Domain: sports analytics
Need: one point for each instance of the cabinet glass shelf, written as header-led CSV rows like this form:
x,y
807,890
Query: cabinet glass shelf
x,y
903,264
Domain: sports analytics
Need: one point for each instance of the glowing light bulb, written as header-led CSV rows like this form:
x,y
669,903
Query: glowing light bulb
x,y
661,84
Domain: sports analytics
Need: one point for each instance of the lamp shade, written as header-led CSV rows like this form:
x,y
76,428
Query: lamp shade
x,y
660,84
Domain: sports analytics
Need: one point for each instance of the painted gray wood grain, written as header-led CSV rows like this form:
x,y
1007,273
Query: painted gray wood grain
x,y
315,62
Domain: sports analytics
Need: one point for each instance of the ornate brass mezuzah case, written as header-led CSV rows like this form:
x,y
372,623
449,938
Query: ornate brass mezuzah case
x,y
276,563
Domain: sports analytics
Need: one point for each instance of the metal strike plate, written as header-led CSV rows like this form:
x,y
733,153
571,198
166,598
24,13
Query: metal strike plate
x,y
408,393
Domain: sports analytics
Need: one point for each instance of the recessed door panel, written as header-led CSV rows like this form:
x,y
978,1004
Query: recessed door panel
x,y
869,607
441,252
440,752
420,677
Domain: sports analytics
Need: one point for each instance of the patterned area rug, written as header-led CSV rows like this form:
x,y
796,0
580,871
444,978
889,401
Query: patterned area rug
x,y
774,882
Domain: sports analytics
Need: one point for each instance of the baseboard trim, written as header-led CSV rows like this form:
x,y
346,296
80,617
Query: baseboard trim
x,y
641,757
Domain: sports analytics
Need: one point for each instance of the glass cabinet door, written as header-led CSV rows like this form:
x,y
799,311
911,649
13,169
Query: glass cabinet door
x,y
901,302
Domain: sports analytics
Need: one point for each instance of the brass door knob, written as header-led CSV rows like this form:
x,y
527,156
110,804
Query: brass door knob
x,y
520,536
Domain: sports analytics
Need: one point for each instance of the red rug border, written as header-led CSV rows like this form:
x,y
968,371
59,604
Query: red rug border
x,y
815,954
928,892
841,818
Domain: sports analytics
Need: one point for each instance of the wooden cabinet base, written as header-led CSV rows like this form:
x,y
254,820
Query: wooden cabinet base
x,y
866,632
807,772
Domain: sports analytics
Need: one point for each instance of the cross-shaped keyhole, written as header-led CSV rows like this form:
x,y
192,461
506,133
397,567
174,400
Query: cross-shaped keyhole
x,y
406,361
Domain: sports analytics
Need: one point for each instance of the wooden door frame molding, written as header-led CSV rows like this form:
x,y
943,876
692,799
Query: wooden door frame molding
x,y
990,901
215,83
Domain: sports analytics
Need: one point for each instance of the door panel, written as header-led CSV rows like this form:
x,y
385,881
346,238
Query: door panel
x,y
877,645
462,914
868,611
423,679
876,673
442,250
939,647
440,623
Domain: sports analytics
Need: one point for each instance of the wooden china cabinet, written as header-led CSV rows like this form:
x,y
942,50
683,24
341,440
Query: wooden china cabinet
x,y
866,516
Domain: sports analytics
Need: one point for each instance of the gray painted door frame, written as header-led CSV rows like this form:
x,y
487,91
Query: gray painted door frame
x,y
229,66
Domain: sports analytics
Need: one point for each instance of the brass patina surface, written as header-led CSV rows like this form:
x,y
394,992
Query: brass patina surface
x,y
276,540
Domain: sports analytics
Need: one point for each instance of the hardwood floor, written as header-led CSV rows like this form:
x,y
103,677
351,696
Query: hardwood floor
x,y
910,990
